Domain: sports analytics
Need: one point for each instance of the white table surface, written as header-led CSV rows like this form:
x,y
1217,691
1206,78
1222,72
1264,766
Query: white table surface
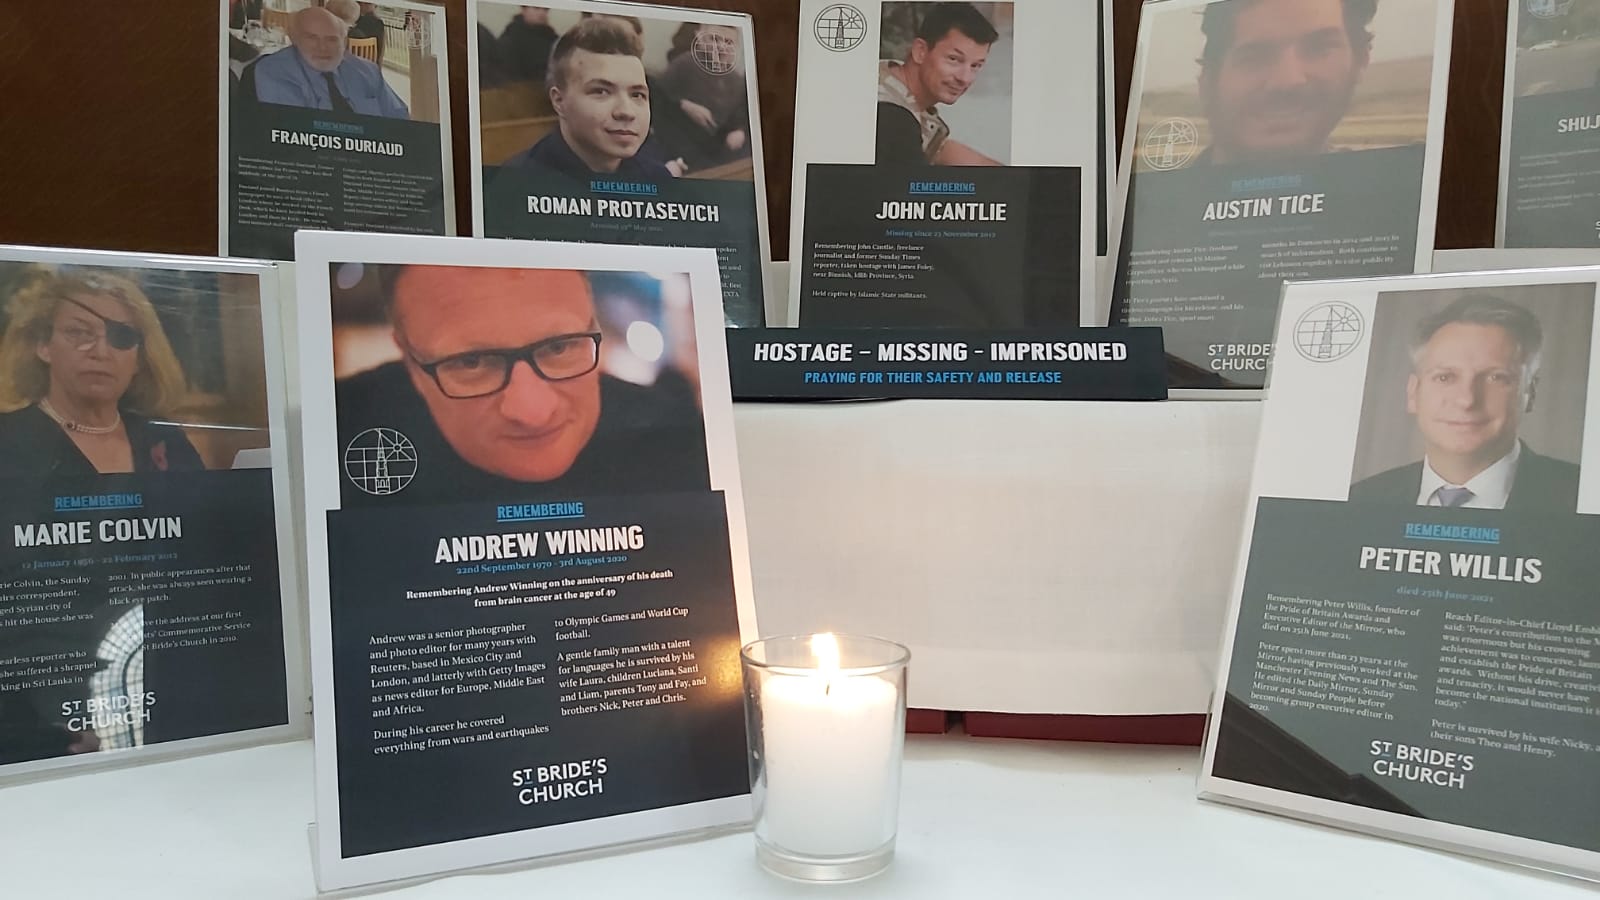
x,y
980,818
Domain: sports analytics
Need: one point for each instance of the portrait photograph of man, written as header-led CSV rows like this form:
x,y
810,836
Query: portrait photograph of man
x,y
342,56
1256,82
1475,399
456,383
581,93
944,84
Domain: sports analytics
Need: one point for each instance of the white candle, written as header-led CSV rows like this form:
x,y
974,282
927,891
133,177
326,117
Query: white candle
x,y
832,746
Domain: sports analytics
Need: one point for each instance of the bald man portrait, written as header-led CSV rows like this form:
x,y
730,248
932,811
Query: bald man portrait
x,y
317,71
499,386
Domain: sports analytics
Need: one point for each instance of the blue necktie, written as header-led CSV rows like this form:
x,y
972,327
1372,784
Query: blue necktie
x,y
1453,496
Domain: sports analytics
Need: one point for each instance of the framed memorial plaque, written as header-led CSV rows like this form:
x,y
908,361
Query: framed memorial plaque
x,y
945,174
622,123
1271,141
526,549
146,580
1411,649
332,116
1550,132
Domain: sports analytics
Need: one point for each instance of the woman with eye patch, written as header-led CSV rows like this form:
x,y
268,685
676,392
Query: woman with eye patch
x,y
84,370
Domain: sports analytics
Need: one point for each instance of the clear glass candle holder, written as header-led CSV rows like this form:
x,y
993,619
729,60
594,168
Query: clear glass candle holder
x,y
826,718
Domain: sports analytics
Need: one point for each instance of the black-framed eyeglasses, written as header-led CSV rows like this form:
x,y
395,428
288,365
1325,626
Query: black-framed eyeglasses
x,y
119,335
479,373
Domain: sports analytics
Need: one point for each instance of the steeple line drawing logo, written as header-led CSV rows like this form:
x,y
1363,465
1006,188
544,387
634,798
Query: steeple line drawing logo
x,y
380,461
1329,331
840,28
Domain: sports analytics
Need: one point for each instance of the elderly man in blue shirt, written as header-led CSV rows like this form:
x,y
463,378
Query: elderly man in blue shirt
x,y
315,72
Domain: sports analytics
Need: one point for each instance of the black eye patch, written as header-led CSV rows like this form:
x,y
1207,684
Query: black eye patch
x,y
122,337
119,335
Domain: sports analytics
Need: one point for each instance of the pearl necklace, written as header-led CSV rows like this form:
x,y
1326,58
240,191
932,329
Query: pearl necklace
x,y
79,427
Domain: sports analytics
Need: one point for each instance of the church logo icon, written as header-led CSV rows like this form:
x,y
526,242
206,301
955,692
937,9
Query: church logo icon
x,y
840,28
380,461
1329,331
1170,144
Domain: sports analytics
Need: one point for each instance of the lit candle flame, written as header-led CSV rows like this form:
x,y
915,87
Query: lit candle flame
x,y
825,647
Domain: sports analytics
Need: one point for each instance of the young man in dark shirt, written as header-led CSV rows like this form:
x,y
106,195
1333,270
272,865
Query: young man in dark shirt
x,y
601,96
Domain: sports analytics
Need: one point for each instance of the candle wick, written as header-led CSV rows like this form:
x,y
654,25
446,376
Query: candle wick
x,y
827,688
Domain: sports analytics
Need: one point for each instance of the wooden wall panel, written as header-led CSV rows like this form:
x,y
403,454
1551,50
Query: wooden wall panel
x,y
108,123
1470,181
108,133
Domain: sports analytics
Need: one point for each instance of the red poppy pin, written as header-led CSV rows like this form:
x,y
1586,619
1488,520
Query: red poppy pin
x,y
158,456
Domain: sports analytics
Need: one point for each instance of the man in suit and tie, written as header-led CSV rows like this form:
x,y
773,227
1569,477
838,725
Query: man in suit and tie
x,y
1474,375
316,72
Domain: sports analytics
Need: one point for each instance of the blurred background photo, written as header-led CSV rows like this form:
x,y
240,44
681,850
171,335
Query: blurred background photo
x,y
1558,46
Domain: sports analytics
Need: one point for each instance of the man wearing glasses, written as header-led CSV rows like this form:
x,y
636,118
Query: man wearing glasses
x,y
500,386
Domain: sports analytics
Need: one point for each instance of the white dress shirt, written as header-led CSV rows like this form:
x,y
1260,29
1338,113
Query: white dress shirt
x,y
1490,488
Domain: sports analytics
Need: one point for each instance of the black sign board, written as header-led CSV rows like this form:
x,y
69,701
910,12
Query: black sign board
x,y
947,363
